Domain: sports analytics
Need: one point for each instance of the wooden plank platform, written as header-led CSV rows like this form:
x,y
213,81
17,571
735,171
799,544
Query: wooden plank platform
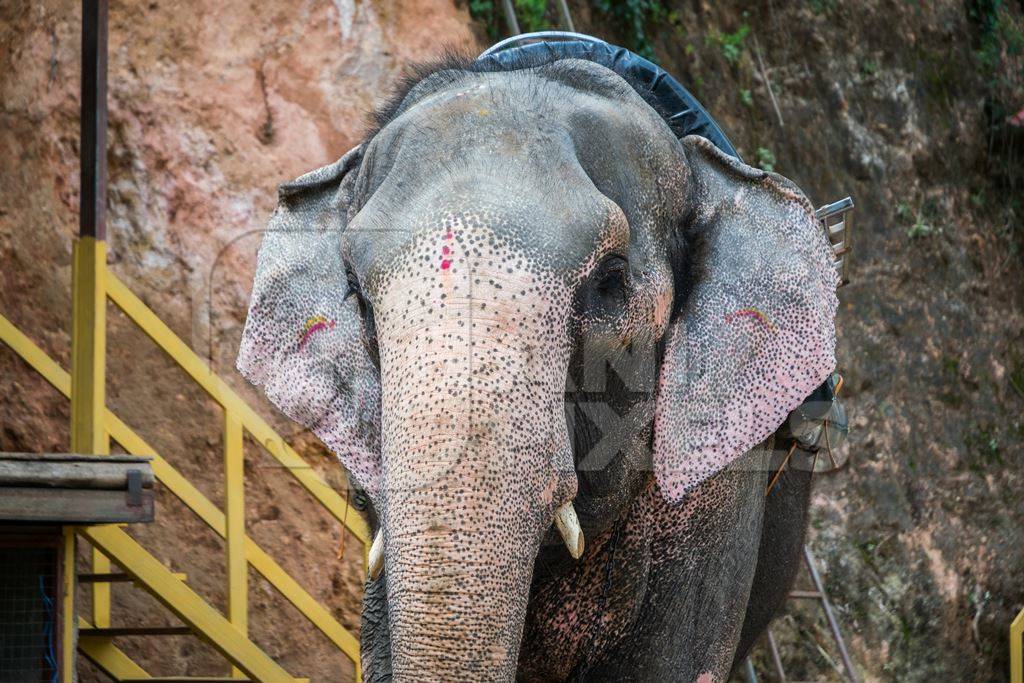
x,y
71,474
68,488
73,506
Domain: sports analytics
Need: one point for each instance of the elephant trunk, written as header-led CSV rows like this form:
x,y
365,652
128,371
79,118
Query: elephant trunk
x,y
458,566
476,460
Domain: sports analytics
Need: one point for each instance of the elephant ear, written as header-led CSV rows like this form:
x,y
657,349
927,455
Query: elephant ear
x,y
303,337
756,334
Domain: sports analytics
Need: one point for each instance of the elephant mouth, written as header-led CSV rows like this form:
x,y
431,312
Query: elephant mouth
x,y
611,435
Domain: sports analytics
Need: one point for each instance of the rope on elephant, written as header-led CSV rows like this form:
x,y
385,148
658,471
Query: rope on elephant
x,y
813,448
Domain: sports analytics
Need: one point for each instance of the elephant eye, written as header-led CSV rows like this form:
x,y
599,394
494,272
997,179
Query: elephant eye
x,y
354,290
607,288
366,313
611,278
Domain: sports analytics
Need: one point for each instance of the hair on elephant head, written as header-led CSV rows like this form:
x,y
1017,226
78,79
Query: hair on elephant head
x,y
521,291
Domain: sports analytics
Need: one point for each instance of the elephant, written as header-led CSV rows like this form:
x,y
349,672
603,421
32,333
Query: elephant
x,y
552,342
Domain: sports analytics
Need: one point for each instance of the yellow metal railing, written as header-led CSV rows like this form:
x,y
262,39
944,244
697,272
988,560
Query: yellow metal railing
x,y
93,425
1017,649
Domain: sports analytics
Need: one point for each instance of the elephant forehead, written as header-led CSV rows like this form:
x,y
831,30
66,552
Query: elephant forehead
x,y
556,163
472,335
511,229
460,273
528,101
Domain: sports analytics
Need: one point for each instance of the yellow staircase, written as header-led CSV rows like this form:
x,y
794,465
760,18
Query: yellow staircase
x,y
94,426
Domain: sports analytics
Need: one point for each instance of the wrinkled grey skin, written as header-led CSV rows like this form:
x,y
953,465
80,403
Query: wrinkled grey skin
x,y
519,244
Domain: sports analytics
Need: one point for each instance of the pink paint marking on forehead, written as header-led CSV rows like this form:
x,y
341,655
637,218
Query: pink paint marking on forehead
x,y
446,251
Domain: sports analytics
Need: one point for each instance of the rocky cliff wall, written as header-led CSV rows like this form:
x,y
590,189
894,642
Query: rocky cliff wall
x,y
909,107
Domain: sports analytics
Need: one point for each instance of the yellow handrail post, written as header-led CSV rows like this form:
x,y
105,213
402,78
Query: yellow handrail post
x,y
88,376
68,630
89,269
101,565
234,514
1017,649
88,345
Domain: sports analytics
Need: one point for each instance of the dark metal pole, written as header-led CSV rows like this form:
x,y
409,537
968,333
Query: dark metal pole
x,y
776,657
92,212
563,11
832,623
510,17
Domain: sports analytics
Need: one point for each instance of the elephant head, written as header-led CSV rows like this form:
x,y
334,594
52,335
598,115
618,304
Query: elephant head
x,y
442,306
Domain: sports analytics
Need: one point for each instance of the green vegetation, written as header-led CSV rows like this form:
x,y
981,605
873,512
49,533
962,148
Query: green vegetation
x,y
532,16
920,228
483,11
918,220
822,6
979,199
982,449
765,159
746,98
731,44
633,16
1002,36
999,54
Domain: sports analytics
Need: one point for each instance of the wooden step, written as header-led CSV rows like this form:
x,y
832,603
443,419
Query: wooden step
x,y
115,631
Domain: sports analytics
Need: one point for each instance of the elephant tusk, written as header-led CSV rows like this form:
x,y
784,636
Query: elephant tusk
x,y
568,525
375,558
